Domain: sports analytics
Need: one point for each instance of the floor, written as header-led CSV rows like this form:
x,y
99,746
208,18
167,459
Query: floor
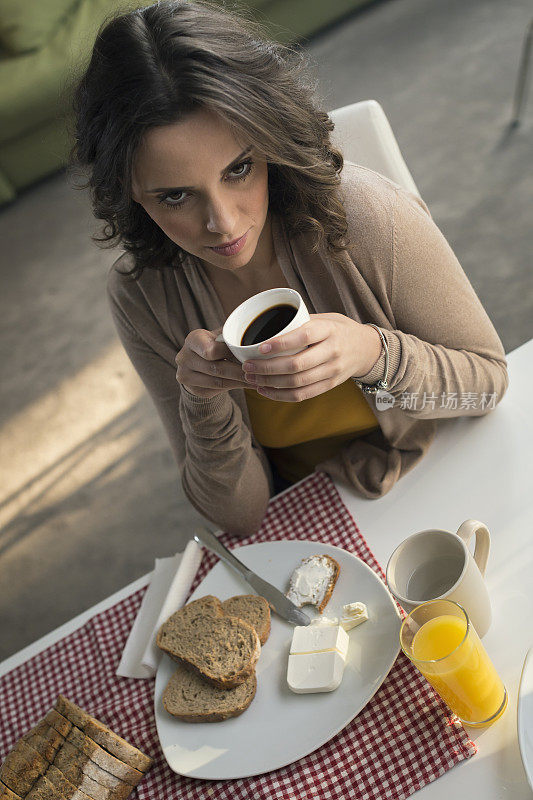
x,y
89,492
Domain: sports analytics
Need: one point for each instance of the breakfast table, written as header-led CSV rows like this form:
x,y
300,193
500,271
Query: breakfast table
x,y
477,468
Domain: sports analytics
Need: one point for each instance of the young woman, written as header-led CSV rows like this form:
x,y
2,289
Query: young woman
x,y
213,168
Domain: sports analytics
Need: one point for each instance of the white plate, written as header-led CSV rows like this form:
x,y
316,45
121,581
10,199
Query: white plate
x,y
525,716
280,726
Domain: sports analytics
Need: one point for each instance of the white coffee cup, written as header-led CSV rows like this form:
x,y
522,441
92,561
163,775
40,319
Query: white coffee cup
x,y
436,564
242,316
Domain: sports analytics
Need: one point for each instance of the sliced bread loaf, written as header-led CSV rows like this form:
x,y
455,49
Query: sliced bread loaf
x,y
190,698
56,720
253,609
102,735
7,794
46,743
65,788
41,728
43,789
82,789
222,649
21,768
104,759
75,765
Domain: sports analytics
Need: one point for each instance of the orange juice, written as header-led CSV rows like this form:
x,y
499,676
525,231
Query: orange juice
x,y
458,667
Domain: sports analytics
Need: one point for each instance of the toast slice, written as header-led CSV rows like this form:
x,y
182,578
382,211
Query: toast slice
x,y
313,581
102,735
253,609
222,649
190,698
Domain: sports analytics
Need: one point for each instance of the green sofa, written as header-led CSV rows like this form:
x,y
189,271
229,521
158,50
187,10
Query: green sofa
x,y
44,45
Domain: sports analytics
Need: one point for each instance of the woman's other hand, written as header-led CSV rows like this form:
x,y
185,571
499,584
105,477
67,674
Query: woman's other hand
x,y
337,348
206,367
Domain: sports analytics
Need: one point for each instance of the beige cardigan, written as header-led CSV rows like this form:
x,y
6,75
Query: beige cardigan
x,y
400,274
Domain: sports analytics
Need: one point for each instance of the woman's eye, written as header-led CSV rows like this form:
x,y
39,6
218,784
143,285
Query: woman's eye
x,y
177,201
242,170
239,173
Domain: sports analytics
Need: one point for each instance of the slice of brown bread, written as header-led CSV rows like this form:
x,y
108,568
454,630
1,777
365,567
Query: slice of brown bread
x,y
22,767
329,591
322,597
253,609
222,649
65,788
43,789
103,735
7,794
74,765
47,743
68,761
189,698
56,720
85,788
208,604
117,746
41,728
104,759
18,781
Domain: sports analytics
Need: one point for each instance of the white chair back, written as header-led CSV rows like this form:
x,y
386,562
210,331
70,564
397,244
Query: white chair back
x,y
363,133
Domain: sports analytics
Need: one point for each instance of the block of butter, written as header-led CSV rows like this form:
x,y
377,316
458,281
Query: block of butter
x,y
317,658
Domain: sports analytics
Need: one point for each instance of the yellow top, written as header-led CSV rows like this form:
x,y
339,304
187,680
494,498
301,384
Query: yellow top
x,y
298,436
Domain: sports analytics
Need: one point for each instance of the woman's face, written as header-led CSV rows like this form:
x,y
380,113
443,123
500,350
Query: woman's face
x,y
204,189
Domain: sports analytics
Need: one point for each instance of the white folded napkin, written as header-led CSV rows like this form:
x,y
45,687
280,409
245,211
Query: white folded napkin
x,y
169,586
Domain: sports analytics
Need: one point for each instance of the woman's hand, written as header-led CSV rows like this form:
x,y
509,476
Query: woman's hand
x,y
206,367
338,348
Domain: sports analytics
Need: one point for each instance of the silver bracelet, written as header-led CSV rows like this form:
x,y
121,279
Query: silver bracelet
x,y
373,388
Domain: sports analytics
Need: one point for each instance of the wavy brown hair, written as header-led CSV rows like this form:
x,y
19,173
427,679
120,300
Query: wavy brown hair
x,y
155,65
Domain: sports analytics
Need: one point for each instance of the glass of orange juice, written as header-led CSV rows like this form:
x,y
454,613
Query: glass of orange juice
x,y
442,643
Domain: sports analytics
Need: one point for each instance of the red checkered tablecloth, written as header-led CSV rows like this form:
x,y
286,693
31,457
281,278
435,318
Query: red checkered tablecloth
x,y
404,738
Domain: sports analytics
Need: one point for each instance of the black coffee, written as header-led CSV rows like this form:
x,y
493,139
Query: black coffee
x,y
268,324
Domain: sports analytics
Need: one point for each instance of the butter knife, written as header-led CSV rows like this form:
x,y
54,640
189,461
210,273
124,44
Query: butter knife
x,y
275,599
